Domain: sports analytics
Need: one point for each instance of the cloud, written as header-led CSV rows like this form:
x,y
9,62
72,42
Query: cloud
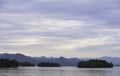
x,y
3,25
20,42
60,27
86,43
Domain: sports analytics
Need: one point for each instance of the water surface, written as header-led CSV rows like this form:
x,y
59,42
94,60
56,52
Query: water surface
x,y
59,71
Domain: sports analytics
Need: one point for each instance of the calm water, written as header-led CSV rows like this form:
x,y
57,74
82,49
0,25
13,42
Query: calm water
x,y
60,71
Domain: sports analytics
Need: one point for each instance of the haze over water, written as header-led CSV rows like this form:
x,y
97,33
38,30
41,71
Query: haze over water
x,y
59,71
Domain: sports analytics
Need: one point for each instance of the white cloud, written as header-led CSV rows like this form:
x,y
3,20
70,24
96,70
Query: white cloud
x,y
3,25
85,43
54,25
20,42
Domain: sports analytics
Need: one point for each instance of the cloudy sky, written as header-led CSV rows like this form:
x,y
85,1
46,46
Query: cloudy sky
x,y
70,28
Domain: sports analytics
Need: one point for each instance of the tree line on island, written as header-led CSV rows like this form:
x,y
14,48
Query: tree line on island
x,y
83,64
48,64
14,63
94,64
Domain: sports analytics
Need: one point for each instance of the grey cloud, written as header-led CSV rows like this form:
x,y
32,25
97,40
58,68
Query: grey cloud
x,y
25,19
84,9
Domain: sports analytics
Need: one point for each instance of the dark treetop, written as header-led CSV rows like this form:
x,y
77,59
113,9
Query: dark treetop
x,y
8,63
48,64
95,64
26,64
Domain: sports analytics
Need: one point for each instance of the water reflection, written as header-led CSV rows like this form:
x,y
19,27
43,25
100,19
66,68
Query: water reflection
x,y
99,72
59,71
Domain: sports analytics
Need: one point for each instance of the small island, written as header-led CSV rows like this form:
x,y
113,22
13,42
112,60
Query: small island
x,y
26,64
94,64
6,63
48,64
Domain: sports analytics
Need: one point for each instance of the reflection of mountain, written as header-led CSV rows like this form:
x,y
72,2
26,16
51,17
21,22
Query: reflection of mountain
x,y
61,60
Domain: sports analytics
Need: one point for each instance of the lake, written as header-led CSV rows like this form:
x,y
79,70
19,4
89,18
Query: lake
x,y
59,71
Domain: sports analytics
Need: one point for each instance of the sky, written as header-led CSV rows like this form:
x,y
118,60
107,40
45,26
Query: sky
x,y
69,28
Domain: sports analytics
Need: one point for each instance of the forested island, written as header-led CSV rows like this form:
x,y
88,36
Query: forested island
x,y
8,63
94,64
24,64
48,64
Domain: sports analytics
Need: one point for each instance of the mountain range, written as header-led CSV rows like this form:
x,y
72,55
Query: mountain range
x,y
19,57
61,60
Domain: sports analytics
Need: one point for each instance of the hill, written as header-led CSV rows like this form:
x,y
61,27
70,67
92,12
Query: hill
x,y
95,64
61,60
114,60
19,57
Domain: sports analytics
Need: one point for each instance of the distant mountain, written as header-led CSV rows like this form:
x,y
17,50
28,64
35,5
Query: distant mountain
x,y
19,57
61,60
74,61
35,60
114,60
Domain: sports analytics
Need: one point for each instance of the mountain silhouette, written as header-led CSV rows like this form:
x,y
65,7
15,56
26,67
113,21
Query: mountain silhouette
x,y
19,57
61,60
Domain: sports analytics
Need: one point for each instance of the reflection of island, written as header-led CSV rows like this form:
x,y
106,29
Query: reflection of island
x,y
98,71
95,64
48,64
